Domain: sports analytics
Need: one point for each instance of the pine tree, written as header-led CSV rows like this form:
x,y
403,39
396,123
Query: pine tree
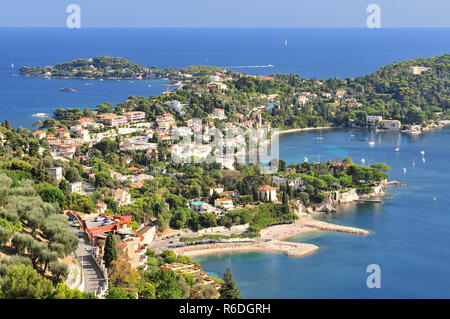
x,y
229,289
110,253
290,191
255,194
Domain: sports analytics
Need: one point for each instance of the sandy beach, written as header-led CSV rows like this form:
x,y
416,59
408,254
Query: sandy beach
x,y
293,130
272,239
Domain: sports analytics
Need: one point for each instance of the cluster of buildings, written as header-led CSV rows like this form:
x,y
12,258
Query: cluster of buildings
x,y
134,243
111,119
62,143
216,80
390,125
224,203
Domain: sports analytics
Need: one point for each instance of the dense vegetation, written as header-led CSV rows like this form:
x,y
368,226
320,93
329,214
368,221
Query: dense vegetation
x,y
394,92
157,282
96,67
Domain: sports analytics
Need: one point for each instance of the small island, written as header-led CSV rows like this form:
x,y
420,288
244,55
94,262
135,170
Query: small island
x,y
112,68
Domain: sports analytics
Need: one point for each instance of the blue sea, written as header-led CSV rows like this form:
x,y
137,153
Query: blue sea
x,y
410,237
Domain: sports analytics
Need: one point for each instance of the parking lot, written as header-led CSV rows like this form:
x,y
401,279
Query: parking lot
x,y
93,223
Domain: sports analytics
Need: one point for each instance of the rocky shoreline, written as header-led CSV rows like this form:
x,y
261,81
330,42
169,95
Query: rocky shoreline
x,y
272,237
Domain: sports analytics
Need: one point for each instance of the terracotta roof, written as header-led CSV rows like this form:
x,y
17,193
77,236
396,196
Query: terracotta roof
x,y
123,219
268,188
137,184
85,119
119,191
223,200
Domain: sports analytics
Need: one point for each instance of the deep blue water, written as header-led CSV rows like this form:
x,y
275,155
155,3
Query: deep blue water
x,y
410,230
311,52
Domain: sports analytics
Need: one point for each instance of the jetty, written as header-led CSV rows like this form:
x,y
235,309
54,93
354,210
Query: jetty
x,y
288,248
317,224
369,200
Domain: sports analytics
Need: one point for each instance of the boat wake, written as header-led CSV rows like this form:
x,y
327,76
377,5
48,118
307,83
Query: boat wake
x,y
40,115
247,66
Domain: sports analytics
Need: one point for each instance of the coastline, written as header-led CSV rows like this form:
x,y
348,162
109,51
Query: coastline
x,y
273,239
290,249
294,130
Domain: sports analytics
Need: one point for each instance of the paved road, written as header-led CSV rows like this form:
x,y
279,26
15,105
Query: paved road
x,y
93,277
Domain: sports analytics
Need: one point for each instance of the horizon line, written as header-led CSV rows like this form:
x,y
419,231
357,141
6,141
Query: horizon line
x,y
228,27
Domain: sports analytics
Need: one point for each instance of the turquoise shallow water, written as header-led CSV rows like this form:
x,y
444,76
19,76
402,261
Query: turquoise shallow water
x,y
409,237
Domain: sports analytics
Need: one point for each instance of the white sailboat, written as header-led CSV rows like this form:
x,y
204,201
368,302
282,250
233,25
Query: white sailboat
x,y
397,148
372,141
423,156
12,65
320,137
285,43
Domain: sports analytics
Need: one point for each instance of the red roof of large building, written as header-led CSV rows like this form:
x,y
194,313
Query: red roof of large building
x,y
223,200
123,219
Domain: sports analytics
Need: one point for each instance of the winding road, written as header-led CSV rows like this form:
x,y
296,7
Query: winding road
x,y
93,277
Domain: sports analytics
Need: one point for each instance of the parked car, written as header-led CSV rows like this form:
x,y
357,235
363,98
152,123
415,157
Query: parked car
x,y
126,237
107,222
99,218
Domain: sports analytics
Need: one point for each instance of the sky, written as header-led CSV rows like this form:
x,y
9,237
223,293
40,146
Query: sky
x,y
225,13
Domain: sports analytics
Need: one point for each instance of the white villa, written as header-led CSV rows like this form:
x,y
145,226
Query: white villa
x,y
268,193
